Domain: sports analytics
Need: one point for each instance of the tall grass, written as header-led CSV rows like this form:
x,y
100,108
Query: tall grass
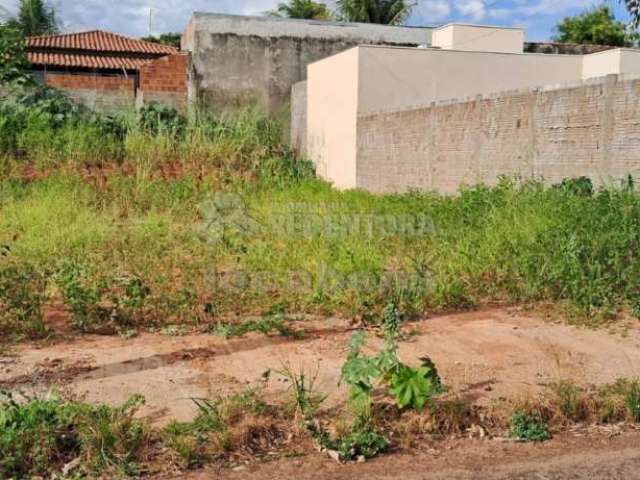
x,y
132,241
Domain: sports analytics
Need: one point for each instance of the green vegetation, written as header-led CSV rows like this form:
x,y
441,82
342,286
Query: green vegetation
x,y
386,12
170,39
596,25
308,9
40,436
35,17
14,65
528,427
153,219
267,325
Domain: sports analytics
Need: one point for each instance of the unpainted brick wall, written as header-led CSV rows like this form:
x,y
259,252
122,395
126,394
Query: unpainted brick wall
x,y
166,74
90,81
165,81
590,129
98,92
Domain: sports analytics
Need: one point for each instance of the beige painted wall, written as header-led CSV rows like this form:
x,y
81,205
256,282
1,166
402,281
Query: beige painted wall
x,y
601,64
397,78
332,112
629,61
478,38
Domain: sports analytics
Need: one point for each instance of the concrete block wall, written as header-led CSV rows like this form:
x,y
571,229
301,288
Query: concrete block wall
x,y
588,129
298,135
240,60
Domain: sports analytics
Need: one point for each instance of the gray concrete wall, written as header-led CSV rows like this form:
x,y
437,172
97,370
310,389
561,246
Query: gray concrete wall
x,y
588,129
298,136
239,60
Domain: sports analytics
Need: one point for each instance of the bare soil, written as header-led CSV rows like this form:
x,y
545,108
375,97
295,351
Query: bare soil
x,y
484,355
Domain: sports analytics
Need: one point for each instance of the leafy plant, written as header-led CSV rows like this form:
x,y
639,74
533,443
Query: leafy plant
x,y
363,440
412,387
528,428
14,65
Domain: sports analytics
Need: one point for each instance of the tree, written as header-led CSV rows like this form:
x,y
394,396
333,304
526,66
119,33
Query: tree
x,y
35,17
302,9
170,39
633,7
14,65
597,25
388,12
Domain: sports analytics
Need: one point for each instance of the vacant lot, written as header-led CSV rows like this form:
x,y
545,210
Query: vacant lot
x,y
179,293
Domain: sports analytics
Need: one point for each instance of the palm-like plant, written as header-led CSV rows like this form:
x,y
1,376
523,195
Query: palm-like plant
x,y
387,12
35,17
302,9
633,6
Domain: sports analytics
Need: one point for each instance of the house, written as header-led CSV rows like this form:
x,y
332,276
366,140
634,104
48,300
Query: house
x,y
109,71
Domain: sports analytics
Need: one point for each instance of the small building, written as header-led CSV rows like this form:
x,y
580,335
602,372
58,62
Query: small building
x,y
471,107
109,71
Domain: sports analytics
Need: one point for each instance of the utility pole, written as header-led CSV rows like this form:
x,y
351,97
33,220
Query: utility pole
x,y
150,20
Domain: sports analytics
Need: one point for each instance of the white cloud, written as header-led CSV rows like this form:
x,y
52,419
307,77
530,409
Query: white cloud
x,y
473,9
432,11
131,17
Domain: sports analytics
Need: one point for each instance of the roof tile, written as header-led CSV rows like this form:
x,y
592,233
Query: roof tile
x,y
86,60
97,41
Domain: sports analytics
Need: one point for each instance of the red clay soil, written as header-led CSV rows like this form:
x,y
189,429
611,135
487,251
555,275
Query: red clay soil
x,y
487,355
563,458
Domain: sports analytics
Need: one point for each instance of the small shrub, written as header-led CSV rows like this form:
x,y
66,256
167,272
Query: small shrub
x,y
570,401
268,325
22,294
632,400
412,387
528,427
40,435
306,398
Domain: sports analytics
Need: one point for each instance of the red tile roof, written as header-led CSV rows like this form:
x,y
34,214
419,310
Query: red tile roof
x,y
83,60
97,41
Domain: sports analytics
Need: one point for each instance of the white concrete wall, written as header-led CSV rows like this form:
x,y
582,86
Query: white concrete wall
x,y
332,113
398,78
270,27
478,38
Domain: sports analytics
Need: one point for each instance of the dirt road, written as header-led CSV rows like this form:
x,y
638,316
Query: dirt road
x,y
565,458
485,355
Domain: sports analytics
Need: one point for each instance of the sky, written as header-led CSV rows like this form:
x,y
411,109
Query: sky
x,y
139,17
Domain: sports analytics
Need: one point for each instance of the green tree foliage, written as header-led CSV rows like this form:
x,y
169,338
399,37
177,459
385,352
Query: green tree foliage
x,y
597,25
35,17
387,12
170,39
302,9
14,66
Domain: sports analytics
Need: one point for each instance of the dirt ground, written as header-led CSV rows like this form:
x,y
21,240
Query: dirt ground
x,y
567,457
485,355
